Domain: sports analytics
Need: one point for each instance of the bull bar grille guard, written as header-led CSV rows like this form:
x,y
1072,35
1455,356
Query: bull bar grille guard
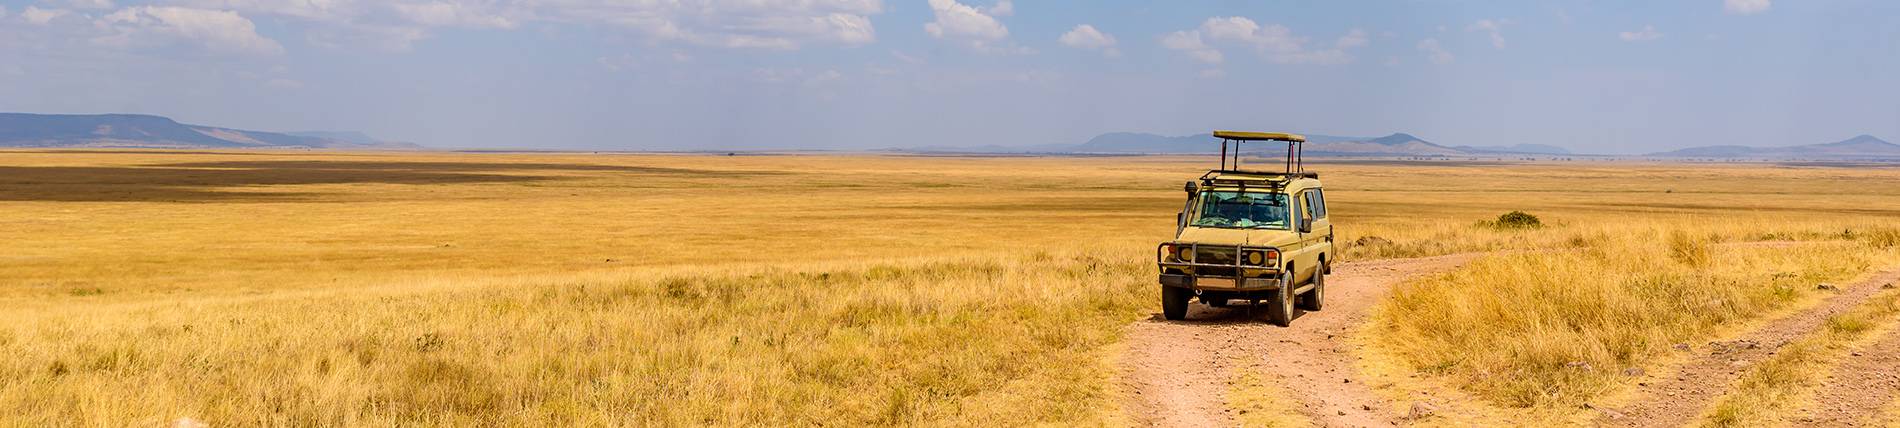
x,y
1162,254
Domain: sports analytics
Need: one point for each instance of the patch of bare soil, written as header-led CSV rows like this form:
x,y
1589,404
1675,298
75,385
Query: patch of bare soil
x,y
1712,368
1860,388
1176,373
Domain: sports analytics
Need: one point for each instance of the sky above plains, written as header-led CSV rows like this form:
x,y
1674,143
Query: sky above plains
x,y
1594,76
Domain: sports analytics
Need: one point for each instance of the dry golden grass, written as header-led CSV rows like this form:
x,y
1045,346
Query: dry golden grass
x,y
1556,328
371,289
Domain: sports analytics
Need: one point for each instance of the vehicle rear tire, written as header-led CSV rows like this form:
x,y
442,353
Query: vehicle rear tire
x,y
1280,307
1174,302
1315,299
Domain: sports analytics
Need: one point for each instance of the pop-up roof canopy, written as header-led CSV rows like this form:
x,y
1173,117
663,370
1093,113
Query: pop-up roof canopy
x,y
1294,149
1259,136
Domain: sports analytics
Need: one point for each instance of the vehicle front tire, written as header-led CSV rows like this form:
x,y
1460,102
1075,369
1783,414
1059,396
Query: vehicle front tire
x,y
1315,299
1174,302
1280,307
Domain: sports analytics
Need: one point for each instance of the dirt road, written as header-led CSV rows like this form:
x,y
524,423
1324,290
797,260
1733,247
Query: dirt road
x,y
1712,369
1177,373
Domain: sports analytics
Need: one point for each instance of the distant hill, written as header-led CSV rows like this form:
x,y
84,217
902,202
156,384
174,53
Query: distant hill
x,y
146,131
1859,147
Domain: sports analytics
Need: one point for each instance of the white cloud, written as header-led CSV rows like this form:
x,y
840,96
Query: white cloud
x,y
1494,28
1001,8
3,11
1435,52
1745,7
976,27
960,20
1086,37
214,30
386,38
1278,43
1353,39
39,16
446,14
1190,42
1647,33
397,24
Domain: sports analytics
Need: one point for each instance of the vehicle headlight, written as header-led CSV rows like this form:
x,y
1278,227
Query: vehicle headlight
x,y
1185,254
1260,258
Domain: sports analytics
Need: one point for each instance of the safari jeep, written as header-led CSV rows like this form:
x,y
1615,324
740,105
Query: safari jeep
x,y
1258,236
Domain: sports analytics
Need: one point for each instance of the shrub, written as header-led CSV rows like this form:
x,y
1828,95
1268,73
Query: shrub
x,y
1518,220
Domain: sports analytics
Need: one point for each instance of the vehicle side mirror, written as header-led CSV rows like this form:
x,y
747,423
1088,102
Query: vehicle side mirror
x,y
1306,225
1192,188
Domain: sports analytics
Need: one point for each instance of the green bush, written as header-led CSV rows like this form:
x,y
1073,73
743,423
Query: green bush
x,y
1518,220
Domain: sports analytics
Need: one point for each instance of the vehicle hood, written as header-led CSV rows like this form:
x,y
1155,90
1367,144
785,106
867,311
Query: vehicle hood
x,y
1256,237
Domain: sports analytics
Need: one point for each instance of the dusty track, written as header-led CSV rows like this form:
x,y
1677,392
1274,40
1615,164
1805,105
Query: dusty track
x,y
1710,370
1177,373
1860,388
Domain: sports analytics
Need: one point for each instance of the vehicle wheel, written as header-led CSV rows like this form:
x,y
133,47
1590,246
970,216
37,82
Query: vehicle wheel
x,y
1174,302
1280,307
1315,299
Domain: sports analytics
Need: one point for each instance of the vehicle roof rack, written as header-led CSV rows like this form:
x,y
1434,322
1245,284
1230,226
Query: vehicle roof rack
x,y
1295,152
1243,178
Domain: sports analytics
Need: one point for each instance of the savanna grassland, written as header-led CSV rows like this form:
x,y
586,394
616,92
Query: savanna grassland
x,y
313,288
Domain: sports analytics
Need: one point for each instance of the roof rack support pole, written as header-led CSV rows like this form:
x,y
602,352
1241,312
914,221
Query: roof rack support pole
x,y
1302,157
1223,154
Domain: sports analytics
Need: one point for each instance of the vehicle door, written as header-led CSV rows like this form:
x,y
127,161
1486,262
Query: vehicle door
x,y
1320,240
1303,255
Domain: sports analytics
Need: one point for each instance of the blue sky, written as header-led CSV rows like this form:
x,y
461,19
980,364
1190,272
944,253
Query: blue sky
x,y
1597,76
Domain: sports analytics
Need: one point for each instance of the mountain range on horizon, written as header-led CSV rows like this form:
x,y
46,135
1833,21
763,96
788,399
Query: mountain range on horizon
x,y
1396,144
1862,147
27,130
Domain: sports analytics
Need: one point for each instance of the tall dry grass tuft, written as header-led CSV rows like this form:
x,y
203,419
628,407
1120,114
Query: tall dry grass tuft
x,y
1688,249
1554,328
1884,237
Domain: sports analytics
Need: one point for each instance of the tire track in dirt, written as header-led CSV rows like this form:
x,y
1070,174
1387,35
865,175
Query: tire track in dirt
x,y
1860,388
1712,369
1177,374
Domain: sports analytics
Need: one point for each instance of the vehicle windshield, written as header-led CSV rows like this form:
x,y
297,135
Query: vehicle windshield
x,y
1242,210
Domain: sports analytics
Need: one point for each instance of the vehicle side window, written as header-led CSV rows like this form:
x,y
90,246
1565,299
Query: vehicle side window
x,y
1319,201
1306,205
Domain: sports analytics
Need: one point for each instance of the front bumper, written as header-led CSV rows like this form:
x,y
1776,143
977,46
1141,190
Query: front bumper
x,y
1219,283
1229,274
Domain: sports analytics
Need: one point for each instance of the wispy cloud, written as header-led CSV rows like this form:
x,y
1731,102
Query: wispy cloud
x,y
1276,42
1435,52
1646,34
1495,28
1745,7
1086,37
